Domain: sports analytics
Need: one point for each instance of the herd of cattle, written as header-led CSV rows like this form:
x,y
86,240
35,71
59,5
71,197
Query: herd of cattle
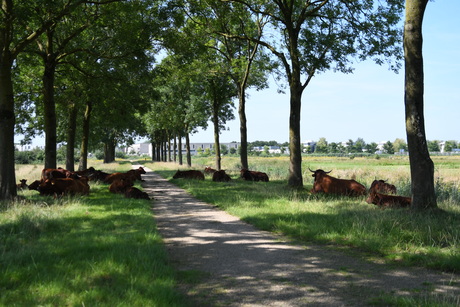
x,y
59,182
380,193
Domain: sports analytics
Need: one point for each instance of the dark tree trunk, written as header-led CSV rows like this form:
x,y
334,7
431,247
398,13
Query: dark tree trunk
x,y
7,121
180,149
187,145
49,113
85,138
421,165
243,129
153,151
215,121
71,131
109,151
174,150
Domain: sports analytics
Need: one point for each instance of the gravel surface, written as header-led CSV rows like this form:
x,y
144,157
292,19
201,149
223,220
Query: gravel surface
x,y
223,261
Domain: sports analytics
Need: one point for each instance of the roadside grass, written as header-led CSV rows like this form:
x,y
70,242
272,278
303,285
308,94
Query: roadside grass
x,y
430,239
98,250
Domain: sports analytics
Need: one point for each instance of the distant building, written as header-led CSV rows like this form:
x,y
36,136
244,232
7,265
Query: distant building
x,y
195,148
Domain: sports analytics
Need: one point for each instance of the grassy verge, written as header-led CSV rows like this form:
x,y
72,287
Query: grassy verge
x,y
430,239
100,250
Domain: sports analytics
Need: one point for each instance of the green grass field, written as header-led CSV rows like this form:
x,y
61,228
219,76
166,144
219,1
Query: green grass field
x,y
104,250
430,239
99,250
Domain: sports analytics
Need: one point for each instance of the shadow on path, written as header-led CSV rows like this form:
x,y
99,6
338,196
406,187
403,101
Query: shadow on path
x,y
237,264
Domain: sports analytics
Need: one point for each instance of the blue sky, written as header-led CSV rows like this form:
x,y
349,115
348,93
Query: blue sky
x,y
369,103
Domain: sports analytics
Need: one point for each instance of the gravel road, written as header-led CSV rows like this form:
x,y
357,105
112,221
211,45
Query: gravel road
x,y
238,265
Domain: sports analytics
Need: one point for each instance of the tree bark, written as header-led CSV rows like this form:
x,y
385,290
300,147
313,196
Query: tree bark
x,y
187,145
49,105
421,165
7,121
109,151
243,128
179,145
71,131
215,121
85,138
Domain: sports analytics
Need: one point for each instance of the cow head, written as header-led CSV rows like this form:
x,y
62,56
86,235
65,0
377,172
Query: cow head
x,y
318,173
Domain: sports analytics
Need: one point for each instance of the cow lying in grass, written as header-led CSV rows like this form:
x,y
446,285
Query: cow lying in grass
x,y
323,183
190,174
384,200
253,175
380,186
220,176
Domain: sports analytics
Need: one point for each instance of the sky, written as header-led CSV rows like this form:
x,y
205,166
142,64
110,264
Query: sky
x,y
367,104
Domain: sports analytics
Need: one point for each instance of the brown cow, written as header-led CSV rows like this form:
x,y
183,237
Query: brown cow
x,y
383,200
380,186
133,192
134,174
50,173
253,175
64,186
328,184
34,185
120,186
220,176
190,174
208,170
22,184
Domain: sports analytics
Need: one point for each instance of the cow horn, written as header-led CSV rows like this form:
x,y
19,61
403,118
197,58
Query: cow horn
x,y
328,172
311,170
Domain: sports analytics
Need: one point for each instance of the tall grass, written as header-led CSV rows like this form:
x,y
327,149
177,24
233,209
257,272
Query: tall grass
x,y
101,249
430,239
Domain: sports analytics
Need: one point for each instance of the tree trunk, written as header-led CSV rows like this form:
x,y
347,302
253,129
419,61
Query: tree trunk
x,y
243,128
180,149
71,131
187,145
216,142
174,150
85,138
7,121
49,113
421,165
295,145
109,151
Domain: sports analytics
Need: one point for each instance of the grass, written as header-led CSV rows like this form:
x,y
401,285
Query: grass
x,y
100,250
430,239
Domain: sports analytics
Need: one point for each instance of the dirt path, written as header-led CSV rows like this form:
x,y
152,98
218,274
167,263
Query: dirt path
x,y
238,265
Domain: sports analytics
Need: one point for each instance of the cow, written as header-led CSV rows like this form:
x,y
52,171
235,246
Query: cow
x,y
323,183
134,174
220,176
120,186
209,171
50,173
85,173
384,200
64,186
98,176
34,185
133,192
253,175
22,184
189,174
382,187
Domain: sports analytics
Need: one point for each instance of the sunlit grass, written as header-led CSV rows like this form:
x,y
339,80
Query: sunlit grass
x,y
96,250
430,239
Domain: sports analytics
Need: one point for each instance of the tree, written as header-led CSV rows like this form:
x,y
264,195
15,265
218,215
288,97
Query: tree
x,y
388,148
421,165
372,147
321,146
399,144
20,25
315,36
433,146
